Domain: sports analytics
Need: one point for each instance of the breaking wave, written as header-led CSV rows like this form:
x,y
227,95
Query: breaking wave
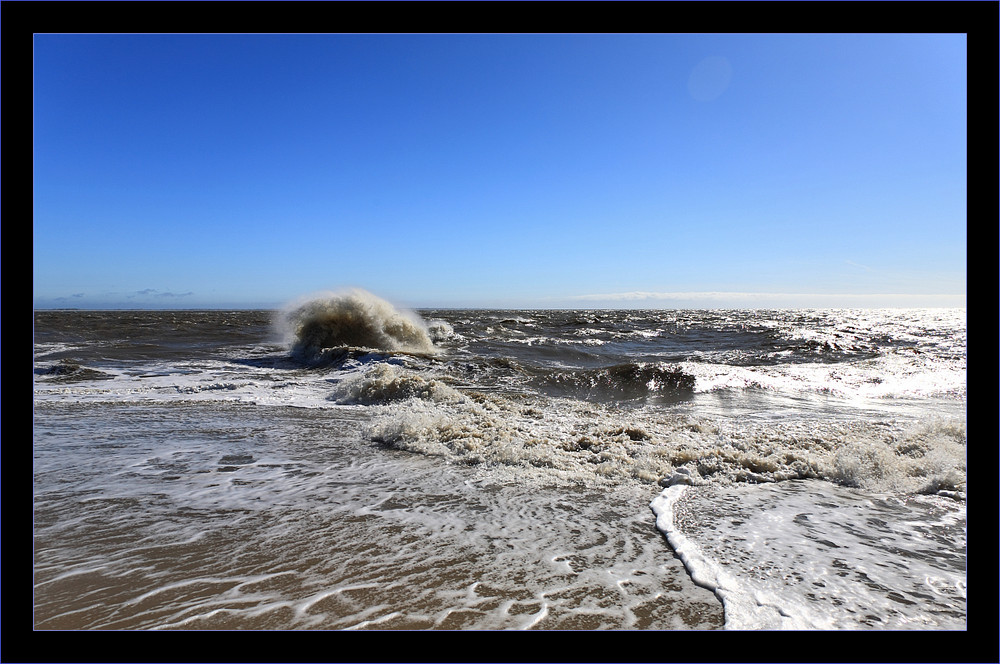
x,y
385,383
592,440
627,381
69,371
325,325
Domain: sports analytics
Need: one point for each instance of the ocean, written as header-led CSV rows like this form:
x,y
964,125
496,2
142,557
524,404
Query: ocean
x,y
343,464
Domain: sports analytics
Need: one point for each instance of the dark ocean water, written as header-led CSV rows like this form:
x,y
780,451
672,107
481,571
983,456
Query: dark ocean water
x,y
346,465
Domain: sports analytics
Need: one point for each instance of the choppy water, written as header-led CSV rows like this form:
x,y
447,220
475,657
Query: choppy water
x,y
346,465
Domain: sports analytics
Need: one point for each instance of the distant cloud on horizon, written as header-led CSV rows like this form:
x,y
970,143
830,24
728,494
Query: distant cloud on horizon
x,y
113,300
155,293
735,298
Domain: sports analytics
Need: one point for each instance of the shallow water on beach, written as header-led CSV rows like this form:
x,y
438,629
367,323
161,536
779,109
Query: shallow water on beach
x,y
233,518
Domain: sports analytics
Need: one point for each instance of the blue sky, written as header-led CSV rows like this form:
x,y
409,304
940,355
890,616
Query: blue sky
x,y
186,171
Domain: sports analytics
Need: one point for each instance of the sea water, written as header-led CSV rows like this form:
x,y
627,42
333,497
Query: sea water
x,y
344,464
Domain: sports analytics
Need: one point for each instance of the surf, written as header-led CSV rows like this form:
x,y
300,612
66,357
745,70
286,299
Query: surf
x,y
323,326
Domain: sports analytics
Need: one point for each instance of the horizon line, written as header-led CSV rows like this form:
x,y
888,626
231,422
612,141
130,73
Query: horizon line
x,y
705,300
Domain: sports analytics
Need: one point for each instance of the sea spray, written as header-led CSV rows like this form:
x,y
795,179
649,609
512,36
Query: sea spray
x,y
331,322
386,383
924,458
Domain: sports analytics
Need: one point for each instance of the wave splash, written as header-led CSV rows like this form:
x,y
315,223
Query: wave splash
x,y
386,383
332,322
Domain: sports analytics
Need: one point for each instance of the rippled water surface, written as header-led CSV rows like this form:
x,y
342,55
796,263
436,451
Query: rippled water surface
x,y
349,465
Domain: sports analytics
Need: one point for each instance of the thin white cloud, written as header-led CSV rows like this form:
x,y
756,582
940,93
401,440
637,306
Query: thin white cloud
x,y
734,298
152,292
649,295
859,265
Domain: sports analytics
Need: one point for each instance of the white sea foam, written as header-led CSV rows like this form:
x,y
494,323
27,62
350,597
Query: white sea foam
x,y
811,555
440,330
386,382
420,411
891,377
201,381
593,441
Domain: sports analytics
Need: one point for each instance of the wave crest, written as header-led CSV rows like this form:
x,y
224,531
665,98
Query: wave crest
x,y
385,383
631,380
354,319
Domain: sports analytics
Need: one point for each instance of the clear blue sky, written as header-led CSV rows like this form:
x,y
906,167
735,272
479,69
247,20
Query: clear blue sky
x,y
186,171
